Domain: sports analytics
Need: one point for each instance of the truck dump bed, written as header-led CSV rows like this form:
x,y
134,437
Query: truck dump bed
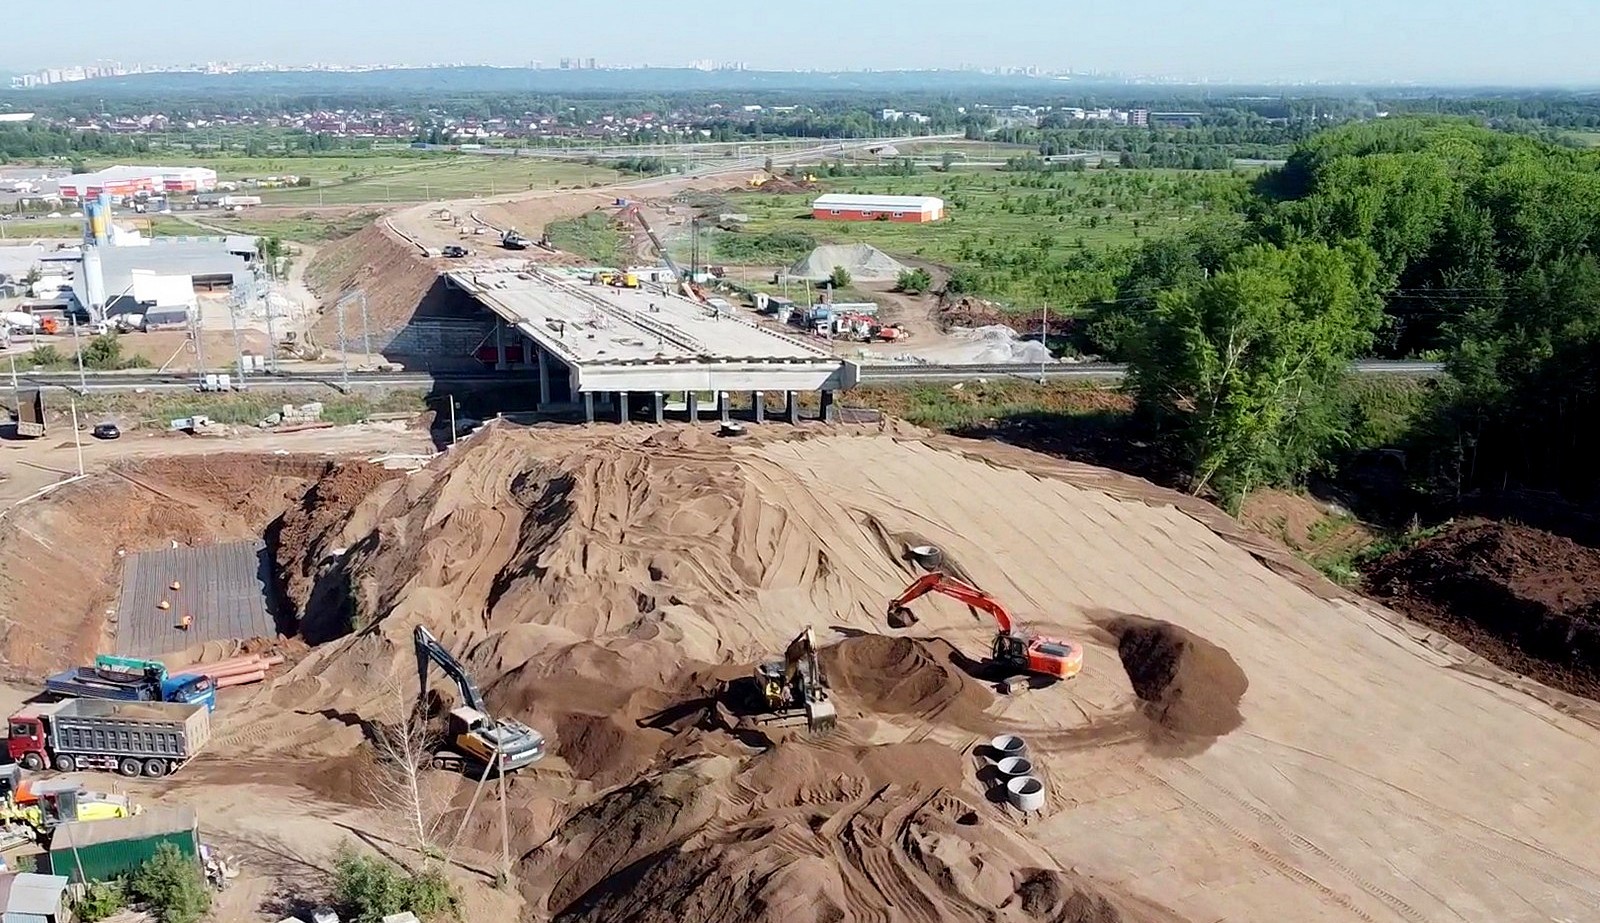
x,y
172,730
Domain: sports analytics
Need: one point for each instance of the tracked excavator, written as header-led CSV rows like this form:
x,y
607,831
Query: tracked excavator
x,y
795,685
1015,648
474,739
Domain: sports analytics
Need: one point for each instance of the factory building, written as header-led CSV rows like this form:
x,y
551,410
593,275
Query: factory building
x,y
122,182
913,209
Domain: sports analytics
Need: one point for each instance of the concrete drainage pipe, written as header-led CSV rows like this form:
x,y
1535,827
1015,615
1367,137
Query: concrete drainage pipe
x,y
1007,745
928,556
1026,793
1014,766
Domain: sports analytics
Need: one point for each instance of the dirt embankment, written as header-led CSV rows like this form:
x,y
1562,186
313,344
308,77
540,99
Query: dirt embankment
x,y
1525,599
60,557
399,282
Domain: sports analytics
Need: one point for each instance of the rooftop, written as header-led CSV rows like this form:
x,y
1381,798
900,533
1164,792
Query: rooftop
x,y
844,200
166,256
150,822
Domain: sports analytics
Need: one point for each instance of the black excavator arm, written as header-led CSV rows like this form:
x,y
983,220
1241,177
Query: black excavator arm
x,y
430,650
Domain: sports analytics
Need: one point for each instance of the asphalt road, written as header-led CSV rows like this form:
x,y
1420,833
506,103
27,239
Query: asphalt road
x,y
870,375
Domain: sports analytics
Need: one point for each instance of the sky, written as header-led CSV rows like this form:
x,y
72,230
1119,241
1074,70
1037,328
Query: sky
x,y
1513,42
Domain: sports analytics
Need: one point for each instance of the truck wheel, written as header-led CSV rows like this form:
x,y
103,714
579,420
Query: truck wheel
x,y
32,761
129,766
65,763
155,769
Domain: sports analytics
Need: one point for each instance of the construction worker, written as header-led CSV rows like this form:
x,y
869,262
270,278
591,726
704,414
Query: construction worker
x,y
185,622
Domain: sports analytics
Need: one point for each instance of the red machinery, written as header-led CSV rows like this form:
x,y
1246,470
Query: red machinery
x,y
1013,647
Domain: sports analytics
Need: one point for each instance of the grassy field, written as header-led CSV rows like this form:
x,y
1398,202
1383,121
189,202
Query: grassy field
x,y
41,228
358,179
1002,226
306,227
593,236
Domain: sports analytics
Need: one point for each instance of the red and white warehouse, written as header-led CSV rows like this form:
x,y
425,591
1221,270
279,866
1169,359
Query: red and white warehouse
x,y
125,182
915,209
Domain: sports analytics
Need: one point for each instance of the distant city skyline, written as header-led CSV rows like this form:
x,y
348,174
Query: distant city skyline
x,y
1535,42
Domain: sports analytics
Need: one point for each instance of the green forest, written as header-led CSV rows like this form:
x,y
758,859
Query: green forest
x,y
1429,238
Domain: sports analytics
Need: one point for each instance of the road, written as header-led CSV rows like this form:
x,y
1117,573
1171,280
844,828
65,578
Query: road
x,y
870,375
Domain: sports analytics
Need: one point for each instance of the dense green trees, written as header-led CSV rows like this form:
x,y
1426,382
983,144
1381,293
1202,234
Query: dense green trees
x,y
1239,368
1481,247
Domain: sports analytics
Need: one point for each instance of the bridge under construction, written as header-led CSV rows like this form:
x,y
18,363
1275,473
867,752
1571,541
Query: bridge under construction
x,y
613,351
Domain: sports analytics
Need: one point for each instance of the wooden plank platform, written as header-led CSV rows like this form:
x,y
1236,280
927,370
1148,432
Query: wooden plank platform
x,y
223,588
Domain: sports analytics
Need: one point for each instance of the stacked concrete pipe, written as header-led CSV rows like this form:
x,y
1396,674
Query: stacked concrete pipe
x,y
1024,790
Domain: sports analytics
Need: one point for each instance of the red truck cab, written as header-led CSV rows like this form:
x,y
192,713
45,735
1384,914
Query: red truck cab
x,y
26,741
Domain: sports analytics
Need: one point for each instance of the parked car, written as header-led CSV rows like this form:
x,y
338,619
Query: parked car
x,y
107,431
454,252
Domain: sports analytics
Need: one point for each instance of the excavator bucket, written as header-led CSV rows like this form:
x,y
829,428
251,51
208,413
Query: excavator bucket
x,y
821,717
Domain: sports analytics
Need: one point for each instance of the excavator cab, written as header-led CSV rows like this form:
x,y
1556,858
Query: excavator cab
x,y
795,685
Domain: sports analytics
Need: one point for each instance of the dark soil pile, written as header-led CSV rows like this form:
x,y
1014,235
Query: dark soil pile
x,y
1527,600
1189,687
307,526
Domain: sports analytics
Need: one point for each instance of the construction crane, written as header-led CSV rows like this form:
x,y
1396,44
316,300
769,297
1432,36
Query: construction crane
x,y
795,685
474,736
1014,647
690,290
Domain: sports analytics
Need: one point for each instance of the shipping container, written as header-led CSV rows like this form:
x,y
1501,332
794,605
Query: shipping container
x,y
103,849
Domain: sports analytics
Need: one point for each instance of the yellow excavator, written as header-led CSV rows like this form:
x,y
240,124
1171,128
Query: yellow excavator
x,y
795,686
475,739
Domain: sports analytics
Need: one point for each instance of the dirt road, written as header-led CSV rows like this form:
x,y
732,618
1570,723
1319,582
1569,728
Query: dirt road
x,y
33,464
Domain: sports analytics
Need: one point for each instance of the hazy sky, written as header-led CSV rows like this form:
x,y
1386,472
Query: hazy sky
x,y
1502,41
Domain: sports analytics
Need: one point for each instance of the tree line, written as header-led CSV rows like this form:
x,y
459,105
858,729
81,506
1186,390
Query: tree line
x,y
1430,238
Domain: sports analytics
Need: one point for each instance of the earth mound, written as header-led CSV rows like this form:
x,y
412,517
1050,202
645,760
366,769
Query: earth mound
x,y
1525,599
864,262
1189,689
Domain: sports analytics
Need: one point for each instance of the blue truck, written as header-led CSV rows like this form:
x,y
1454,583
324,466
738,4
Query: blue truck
x,y
129,680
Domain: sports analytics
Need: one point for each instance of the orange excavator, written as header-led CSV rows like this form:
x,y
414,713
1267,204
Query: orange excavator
x,y
1014,647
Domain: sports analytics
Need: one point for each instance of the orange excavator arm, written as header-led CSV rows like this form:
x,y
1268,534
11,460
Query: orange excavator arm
x,y
955,589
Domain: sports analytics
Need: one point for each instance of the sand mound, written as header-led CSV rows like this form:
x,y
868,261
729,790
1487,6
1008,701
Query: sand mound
x,y
1190,688
906,676
859,834
320,519
864,262
1525,599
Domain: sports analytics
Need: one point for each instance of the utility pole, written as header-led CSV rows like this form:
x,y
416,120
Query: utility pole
x,y
238,351
199,349
76,442
344,350
83,385
366,333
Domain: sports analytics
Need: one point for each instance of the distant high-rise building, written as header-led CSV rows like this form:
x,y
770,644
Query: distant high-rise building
x,y
589,63
1139,118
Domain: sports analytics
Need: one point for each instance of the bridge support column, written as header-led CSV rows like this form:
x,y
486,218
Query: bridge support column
x,y
723,405
830,414
692,398
791,407
588,406
758,406
622,406
660,408
544,375
500,364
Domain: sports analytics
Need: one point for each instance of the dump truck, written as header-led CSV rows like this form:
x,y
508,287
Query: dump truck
x,y
147,684
30,414
132,738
